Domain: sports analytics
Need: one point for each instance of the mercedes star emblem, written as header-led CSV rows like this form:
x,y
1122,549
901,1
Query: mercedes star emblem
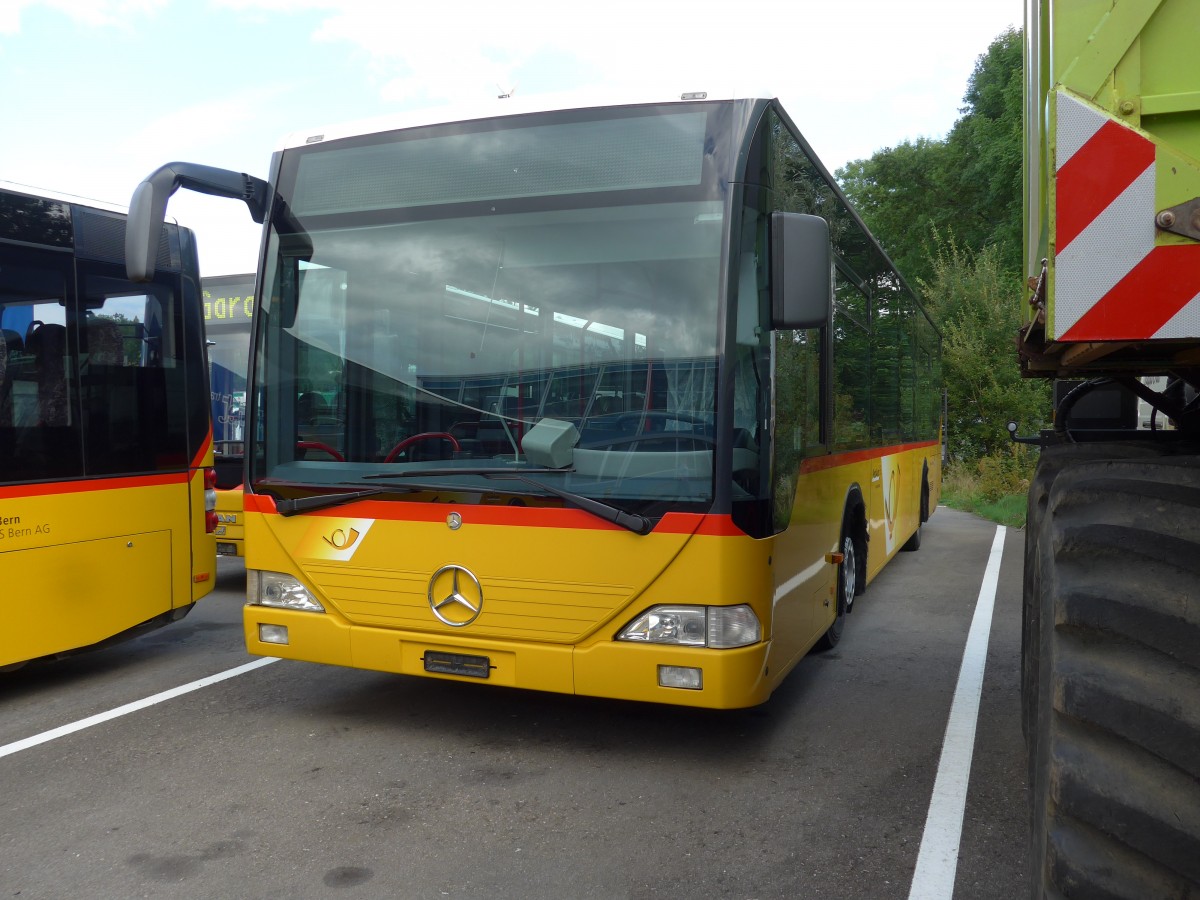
x,y
455,596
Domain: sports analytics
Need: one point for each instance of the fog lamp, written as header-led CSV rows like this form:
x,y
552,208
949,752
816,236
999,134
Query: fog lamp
x,y
684,677
272,634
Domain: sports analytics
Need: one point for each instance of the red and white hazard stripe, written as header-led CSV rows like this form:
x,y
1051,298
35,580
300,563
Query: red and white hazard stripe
x,y
1111,282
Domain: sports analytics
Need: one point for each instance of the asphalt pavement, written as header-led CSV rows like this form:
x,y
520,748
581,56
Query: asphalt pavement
x,y
297,780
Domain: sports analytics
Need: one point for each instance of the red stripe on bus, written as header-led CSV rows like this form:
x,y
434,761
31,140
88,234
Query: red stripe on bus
x,y
1095,176
81,486
527,516
198,460
1144,300
833,460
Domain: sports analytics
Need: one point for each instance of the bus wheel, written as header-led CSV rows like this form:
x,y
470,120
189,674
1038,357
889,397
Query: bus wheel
x,y
848,571
847,586
914,542
1115,792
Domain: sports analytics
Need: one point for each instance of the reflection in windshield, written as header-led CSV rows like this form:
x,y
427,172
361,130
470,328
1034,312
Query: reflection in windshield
x,y
523,295
418,343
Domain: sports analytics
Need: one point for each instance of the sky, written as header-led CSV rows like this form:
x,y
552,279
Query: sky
x,y
99,93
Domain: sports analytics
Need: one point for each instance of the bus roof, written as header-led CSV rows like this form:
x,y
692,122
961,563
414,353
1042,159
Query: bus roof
x,y
503,105
27,190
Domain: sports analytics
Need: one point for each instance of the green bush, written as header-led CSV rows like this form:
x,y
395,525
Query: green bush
x,y
993,487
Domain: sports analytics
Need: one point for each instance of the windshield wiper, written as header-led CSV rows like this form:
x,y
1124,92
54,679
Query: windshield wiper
x,y
638,524
634,522
450,470
324,501
290,507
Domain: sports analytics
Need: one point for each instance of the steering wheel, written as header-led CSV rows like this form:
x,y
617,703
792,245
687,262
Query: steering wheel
x,y
423,436
319,445
657,437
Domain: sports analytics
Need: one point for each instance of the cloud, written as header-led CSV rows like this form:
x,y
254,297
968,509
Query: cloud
x,y
828,57
92,13
192,129
10,16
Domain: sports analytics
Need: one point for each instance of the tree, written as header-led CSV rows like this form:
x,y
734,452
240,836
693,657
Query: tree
x,y
900,194
978,304
949,214
984,153
967,185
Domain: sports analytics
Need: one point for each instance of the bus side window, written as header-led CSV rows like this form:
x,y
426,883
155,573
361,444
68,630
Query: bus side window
x,y
10,347
48,343
103,342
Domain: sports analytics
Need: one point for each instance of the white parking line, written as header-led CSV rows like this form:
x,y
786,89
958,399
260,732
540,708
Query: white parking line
x,y
937,860
61,731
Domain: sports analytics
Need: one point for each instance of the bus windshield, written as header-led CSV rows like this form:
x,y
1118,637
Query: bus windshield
x,y
544,308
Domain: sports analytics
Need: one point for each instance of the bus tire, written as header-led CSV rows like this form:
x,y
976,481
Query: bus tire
x,y
1115,737
849,583
914,541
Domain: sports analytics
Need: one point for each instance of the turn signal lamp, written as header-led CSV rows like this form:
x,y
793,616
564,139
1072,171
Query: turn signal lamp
x,y
210,501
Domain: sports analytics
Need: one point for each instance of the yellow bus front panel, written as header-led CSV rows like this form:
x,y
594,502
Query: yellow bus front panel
x,y
554,598
558,586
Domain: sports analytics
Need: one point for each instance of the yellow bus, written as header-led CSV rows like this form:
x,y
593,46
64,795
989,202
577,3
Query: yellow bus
x,y
619,400
106,500
228,312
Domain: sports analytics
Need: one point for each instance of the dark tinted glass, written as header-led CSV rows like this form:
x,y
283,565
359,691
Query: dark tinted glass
x,y
92,371
132,377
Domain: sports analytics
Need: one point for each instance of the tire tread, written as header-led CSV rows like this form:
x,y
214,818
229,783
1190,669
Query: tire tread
x,y
1115,761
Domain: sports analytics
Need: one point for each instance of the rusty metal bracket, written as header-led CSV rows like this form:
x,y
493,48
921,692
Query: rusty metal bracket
x,y
1038,300
1183,219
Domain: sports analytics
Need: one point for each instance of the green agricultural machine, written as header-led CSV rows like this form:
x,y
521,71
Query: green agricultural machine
x,y
1111,636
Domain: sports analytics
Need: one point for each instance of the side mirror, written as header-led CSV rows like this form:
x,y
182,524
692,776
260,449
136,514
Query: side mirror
x,y
801,271
290,278
148,207
147,210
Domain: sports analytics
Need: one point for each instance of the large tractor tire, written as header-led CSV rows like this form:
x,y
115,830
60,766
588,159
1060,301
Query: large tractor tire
x,y
1114,726
1053,460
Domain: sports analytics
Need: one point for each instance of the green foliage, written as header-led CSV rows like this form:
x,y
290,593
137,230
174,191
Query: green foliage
x,y
1008,510
900,194
968,185
984,153
949,214
978,305
994,489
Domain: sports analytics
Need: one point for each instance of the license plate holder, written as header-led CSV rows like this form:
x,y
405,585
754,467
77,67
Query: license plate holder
x,y
457,664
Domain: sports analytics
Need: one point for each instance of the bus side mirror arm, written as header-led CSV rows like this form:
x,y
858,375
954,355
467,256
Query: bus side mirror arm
x,y
801,271
148,207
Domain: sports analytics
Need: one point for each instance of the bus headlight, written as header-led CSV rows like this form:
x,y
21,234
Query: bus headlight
x,y
280,591
721,627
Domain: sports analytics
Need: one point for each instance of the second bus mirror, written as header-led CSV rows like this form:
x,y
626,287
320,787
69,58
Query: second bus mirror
x,y
801,271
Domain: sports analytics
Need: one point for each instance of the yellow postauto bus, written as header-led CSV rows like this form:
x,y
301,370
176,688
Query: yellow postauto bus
x,y
228,312
617,400
106,497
